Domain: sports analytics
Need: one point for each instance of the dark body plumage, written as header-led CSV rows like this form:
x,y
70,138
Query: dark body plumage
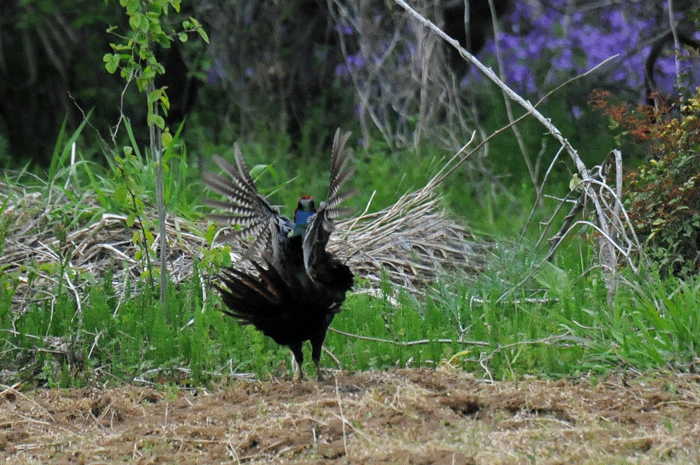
x,y
301,286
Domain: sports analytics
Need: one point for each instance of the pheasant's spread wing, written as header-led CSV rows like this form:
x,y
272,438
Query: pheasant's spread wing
x,y
245,207
322,223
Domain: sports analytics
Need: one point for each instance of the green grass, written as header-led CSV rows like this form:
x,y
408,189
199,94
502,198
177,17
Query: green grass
x,y
567,332
509,321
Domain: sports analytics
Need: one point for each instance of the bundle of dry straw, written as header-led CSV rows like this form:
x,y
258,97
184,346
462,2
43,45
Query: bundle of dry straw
x,y
413,241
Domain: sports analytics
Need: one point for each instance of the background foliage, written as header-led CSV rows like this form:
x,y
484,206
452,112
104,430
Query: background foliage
x,y
282,90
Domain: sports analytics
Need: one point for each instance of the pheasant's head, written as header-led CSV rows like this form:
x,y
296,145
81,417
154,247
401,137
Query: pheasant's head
x,y
306,208
306,204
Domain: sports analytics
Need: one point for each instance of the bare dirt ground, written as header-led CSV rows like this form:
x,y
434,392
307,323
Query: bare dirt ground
x,y
410,416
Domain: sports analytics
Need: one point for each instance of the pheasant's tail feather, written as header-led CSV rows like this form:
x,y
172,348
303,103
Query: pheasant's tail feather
x,y
248,298
241,284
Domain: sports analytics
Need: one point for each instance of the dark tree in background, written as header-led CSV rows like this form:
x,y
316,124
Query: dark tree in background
x,y
474,16
305,67
279,61
48,55
51,71
273,60
270,65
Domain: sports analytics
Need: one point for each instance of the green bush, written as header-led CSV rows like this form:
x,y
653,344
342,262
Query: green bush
x,y
663,194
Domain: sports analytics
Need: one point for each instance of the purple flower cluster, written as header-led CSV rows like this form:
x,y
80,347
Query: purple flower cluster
x,y
353,62
541,47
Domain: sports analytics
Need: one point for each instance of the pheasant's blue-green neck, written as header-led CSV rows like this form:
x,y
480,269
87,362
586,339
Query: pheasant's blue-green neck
x,y
305,210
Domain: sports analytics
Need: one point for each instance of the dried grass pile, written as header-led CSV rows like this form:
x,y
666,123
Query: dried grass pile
x,y
413,240
94,245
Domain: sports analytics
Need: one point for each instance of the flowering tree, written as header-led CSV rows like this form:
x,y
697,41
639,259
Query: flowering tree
x,y
542,45
545,43
401,76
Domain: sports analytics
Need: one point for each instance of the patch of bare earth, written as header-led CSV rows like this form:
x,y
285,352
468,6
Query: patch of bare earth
x,y
411,416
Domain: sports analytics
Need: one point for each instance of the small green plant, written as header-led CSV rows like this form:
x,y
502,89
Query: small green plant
x,y
137,60
5,220
129,195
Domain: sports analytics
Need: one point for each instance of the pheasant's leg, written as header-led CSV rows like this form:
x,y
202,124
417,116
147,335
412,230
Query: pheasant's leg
x,y
319,376
297,361
316,348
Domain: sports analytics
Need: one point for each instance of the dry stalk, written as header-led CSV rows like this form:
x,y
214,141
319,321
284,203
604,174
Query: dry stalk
x,y
603,214
412,241
407,75
343,420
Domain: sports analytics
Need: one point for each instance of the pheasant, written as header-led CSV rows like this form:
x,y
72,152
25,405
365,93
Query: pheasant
x,y
299,286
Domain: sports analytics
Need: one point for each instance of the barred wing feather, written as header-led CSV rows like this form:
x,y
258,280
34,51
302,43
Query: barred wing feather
x,y
314,245
245,208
